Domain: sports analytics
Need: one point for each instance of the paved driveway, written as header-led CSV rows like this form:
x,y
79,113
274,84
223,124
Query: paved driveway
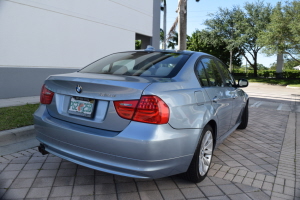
x,y
260,162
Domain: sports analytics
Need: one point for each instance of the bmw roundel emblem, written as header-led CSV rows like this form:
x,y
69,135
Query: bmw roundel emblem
x,y
78,89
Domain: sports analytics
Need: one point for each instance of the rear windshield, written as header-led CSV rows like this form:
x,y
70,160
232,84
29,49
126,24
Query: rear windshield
x,y
146,64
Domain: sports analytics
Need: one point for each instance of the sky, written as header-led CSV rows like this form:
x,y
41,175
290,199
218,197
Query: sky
x,y
198,13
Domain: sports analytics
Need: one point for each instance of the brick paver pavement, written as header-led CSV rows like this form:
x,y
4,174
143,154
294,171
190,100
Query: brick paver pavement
x,y
28,174
260,162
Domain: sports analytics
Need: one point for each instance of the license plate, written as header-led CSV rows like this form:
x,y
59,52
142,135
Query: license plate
x,y
81,106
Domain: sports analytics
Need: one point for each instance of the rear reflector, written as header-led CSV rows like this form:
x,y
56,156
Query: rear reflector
x,y
126,109
46,95
149,109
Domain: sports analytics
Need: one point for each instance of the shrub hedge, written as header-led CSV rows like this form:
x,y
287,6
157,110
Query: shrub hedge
x,y
268,73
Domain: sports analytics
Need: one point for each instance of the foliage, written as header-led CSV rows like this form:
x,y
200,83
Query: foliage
x,y
161,35
282,34
138,44
200,41
292,74
173,40
240,28
290,63
287,65
259,67
273,66
17,116
257,17
223,27
272,81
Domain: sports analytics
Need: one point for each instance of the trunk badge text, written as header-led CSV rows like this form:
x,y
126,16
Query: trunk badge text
x,y
78,89
106,95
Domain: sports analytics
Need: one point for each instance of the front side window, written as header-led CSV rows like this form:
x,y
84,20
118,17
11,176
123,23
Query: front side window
x,y
214,76
229,82
146,64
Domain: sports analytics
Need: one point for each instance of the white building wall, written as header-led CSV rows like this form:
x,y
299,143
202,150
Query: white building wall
x,y
69,33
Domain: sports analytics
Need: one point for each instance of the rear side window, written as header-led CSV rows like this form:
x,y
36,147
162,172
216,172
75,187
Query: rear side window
x,y
214,76
146,64
202,75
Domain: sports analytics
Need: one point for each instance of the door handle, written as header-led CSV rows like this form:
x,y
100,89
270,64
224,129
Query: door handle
x,y
233,93
215,99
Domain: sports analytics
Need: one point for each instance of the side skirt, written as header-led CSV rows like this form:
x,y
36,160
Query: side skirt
x,y
224,136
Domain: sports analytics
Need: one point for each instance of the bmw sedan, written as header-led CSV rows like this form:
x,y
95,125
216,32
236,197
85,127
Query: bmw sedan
x,y
142,114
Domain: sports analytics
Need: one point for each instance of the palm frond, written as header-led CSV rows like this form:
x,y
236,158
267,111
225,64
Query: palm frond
x,y
172,29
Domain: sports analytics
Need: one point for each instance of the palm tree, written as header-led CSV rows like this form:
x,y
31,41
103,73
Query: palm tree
x,y
173,35
173,40
181,19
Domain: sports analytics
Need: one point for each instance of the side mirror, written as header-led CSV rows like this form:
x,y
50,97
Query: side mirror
x,y
243,83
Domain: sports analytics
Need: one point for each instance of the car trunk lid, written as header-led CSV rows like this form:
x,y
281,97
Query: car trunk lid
x,y
99,91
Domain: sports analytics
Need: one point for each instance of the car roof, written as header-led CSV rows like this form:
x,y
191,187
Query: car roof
x,y
168,51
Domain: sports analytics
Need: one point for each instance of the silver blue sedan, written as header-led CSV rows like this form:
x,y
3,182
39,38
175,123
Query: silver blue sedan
x,y
142,114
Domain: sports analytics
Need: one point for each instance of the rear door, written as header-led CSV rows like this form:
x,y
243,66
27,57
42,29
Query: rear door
x,y
219,95
232,92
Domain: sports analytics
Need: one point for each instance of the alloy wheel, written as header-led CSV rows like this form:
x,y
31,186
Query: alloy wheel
x,y
205,154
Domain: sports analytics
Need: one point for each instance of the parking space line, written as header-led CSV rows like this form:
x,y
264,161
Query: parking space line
x,y
259,104
280,106
256,104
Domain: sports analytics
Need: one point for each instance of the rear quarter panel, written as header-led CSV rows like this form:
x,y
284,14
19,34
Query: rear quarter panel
x,y
189,104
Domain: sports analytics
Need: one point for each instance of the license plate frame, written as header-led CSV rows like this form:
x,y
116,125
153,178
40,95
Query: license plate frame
x,y
81,106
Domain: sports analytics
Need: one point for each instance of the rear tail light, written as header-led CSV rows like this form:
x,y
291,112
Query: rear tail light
x,y
46,95
149,109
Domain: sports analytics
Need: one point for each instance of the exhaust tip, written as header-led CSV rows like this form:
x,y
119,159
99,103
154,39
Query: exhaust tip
x,y
42,149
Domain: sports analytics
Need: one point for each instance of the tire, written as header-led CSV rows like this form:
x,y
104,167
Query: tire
x,y
244,118
201,161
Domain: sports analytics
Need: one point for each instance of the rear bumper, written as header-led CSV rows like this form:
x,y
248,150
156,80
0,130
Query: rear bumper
x,y
140,150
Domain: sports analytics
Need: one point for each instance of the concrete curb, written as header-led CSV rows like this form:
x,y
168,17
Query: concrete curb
x,y
17,139
16,135
19,101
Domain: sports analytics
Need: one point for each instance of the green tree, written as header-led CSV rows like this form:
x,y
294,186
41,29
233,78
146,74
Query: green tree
x,y
273,66
261,67
138,44
256,20
173,40
240,29
223,28
161,35
282,34
290,63
200,41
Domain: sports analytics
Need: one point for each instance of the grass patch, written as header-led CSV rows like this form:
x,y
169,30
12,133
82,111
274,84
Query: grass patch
x,y
295,85
272,81
17,116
